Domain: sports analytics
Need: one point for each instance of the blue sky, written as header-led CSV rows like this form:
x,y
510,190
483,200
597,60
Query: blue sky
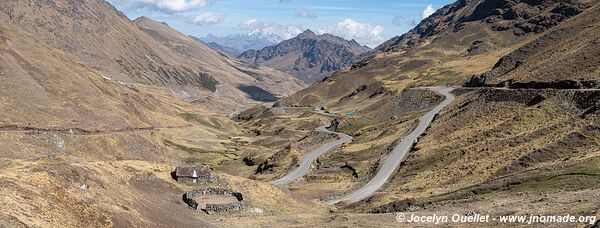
x,y
370,22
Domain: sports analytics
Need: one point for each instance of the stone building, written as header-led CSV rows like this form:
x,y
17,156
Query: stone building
x,y
193,174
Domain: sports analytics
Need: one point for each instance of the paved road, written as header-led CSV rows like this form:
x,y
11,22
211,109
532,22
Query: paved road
x,y
312,156
399,153
527,89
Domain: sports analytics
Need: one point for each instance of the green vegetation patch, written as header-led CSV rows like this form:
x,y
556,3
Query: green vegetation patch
x,y
208,82
352,126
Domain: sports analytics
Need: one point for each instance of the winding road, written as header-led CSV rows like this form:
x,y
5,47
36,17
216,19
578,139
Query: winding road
x,y
312,156
399,153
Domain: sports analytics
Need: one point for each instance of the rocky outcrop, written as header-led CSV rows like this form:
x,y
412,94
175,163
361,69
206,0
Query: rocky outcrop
x,y
333,126
270,163
308,56
503,66
249,161
396,206
563,84
519,16
545,63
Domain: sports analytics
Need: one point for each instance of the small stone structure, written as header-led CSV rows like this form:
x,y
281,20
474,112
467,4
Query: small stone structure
x,y
212,208
192,174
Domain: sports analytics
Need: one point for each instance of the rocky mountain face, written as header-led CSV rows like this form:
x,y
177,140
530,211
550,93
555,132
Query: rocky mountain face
x,y
308,56
518,17
565,56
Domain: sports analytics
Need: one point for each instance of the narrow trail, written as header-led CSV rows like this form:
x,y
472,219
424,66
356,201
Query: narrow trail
x,y
528,89
80,131
312,156
399,153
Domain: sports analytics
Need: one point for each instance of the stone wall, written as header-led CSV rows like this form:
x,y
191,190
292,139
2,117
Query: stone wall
x,y
188,198
199,180
217,208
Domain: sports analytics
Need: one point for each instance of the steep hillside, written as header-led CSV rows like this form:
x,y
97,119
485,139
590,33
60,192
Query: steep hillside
x,y
460,40
96,113
568,52
97,35
44,89
234,74
308,56
510,18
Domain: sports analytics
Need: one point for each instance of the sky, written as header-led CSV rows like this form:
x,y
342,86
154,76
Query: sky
x,y
370,22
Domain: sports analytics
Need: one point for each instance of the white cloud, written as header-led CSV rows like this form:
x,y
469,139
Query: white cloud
x,y
364,33
273,31
404,20
305,14
163,5
249,22
207,19
428,11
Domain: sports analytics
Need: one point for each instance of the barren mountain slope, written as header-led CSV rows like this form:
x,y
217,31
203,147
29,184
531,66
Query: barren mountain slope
x,y
234,73
86,147
460,40
97,35
508,19
308,56
568,52
60,119
43,88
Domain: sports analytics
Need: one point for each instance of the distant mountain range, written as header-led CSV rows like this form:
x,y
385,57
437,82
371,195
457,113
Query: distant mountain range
x,y
237,43
226,50
309,56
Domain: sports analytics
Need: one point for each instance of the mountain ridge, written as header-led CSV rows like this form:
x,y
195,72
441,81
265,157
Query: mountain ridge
x,y
308,56
568,53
